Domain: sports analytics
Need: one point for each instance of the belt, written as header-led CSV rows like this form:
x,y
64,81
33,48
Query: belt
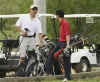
x,y
28,36
34,35
63,41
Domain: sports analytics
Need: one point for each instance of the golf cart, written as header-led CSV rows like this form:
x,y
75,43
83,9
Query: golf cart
x,y
7,61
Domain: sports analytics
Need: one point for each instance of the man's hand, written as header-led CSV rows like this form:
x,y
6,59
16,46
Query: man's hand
x,y
41,38
68,46
41,44
21,31
24,34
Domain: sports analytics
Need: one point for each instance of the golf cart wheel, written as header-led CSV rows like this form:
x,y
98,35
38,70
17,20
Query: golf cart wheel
x,y
83,66
2,74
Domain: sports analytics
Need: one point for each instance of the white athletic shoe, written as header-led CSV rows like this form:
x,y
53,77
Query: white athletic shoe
x,y
65,80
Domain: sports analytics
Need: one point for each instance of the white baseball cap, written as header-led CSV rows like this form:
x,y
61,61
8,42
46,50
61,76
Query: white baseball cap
x,y
32,6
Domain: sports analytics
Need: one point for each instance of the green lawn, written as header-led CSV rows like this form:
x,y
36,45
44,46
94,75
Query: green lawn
x,y
87,80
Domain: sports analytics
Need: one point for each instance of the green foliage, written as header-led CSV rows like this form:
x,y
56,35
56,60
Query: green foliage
x,y
78,7
14,6
69,7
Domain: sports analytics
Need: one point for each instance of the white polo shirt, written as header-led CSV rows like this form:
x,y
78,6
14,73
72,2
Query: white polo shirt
x,y
33,25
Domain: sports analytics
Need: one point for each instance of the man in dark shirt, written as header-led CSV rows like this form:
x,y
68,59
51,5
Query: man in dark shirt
x,y
64,42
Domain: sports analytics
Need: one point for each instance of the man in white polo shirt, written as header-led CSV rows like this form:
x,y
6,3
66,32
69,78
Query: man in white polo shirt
x,y
28,25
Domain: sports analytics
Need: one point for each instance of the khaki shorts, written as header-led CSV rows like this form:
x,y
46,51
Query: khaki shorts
x,y
26,43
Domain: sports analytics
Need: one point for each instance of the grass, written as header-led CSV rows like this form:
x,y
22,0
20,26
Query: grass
x,y
97,79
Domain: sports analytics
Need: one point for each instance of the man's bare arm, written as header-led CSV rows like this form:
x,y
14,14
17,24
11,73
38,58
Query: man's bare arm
x,y
68,41
41,38
21,31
